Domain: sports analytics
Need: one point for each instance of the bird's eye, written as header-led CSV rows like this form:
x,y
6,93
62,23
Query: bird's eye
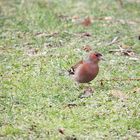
x,y
98,55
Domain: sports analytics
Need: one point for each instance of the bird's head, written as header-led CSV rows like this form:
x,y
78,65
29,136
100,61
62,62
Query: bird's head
x,y
95,57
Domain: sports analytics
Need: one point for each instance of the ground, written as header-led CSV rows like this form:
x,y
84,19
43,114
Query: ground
x,y
40,40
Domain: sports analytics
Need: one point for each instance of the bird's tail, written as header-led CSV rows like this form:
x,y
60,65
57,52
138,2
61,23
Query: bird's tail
x,y
71,71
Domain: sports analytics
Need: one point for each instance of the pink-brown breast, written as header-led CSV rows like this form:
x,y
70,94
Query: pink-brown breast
x,y
86,72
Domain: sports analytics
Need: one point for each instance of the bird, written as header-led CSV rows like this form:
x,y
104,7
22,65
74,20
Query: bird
x,y
86,70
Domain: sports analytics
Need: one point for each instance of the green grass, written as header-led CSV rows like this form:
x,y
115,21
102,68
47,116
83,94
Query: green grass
x,y
35,86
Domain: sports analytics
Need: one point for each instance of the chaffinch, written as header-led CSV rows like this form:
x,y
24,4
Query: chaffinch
x,y
86,70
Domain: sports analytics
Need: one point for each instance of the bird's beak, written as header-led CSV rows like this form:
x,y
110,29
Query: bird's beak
x,y
101,58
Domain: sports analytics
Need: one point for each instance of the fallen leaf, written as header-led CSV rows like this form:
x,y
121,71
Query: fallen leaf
x,y
87,21
136,90
75,18
124,50
124,46
70,105
87,48
129,53
118,94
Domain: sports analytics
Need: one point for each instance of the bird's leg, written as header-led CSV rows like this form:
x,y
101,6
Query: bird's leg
x,y
88,87
81,85
84,85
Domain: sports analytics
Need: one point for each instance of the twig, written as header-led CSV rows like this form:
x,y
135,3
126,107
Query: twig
x,y
115,50
128,52
120,79
113,41
44,34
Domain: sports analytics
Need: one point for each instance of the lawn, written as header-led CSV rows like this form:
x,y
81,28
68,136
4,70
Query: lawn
x,y
40,40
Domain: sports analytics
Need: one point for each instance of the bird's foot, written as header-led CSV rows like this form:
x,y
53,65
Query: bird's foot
x,y
87,92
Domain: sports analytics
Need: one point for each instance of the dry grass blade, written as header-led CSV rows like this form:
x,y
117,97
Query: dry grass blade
x,y
118,94
44,34
119,79
125,50
113,41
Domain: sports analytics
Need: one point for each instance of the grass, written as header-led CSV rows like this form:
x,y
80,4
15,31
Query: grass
x,y
36,89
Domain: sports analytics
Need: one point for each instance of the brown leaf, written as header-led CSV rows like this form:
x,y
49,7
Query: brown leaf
x,y
75,19
70,105
129,53
87,48
124,50
124,46
136,90
118,94
87,21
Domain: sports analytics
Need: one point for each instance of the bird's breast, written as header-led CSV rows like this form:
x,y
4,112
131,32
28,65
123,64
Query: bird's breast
x,y
85,73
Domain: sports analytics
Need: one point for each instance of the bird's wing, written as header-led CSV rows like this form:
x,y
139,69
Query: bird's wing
x,y
72,69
